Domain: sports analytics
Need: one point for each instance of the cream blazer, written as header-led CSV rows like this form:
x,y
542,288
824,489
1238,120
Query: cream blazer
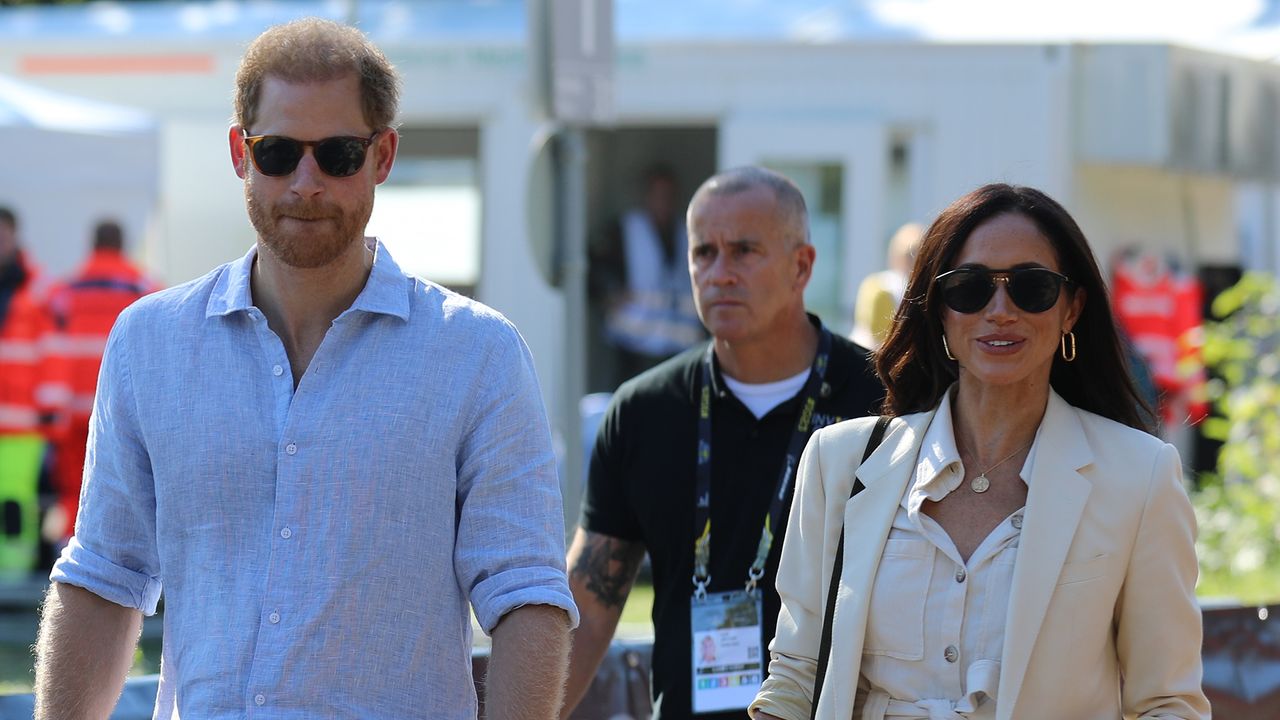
x,y
1103,622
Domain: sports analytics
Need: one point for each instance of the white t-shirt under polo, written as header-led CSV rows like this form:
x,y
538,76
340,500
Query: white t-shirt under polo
x,y
760,398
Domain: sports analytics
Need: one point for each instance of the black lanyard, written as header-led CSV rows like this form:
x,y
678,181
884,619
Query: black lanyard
x,y
799,436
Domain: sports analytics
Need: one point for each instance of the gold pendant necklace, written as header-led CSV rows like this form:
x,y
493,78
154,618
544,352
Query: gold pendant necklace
x,y
981,484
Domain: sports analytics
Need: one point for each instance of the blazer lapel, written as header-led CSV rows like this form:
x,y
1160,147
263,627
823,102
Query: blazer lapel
x,y
867,519
1056,496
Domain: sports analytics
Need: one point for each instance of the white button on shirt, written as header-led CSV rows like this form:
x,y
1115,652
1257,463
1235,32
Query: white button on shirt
x,y
936,626
424,494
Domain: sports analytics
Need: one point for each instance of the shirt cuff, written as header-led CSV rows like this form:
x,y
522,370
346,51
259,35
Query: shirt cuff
x,y
83,568
499,594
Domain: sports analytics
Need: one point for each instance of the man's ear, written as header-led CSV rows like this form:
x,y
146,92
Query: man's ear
x,y
806,253
384,152
239,151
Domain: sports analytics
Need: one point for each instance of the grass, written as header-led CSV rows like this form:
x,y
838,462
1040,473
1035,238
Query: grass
x,y
1260,587
639,607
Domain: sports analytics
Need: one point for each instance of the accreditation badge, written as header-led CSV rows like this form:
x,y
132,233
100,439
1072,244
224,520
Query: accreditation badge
x,y
728,650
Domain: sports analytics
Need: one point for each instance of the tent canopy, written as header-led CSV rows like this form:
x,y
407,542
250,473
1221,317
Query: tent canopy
x,y
28,106
69,163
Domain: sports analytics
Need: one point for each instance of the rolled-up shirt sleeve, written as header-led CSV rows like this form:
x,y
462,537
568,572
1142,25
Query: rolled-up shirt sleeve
x,y
510,542
113,552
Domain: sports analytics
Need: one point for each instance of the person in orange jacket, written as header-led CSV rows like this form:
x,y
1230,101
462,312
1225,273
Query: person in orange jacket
x,y
83,308
23,417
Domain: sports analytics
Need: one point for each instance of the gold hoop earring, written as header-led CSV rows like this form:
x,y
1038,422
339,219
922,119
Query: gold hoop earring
x,y
946,349
1065,355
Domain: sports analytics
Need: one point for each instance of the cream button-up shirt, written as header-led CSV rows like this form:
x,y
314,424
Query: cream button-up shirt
x,y
936,623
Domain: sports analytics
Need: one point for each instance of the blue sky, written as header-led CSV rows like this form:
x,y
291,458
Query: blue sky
x,y
1249,27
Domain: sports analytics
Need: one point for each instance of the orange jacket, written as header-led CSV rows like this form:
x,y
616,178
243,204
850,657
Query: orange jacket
x,y
1161,312
83,309
23,325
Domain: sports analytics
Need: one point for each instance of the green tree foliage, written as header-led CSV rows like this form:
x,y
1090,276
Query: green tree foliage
x,y
1238,506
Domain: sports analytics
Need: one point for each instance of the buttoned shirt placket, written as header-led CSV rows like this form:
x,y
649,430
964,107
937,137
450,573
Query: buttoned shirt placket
x,y
290,412
949,663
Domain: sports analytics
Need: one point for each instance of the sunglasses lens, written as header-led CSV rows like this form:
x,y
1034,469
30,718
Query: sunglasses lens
x,y
340,157
1031,289
967,292
276,156
1034,290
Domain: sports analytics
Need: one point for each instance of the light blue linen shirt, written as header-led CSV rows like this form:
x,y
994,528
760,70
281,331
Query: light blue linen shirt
x,y
319,548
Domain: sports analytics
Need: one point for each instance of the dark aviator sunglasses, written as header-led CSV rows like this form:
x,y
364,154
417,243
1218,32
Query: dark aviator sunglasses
x,y
969,289
277,155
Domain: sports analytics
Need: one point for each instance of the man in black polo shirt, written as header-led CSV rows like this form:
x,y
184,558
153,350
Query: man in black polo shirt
x,y
695,458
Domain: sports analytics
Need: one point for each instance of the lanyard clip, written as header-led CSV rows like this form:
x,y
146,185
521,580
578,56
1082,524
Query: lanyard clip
x,y
700,583
753,577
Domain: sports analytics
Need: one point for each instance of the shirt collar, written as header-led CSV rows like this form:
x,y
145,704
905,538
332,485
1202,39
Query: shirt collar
x,y
938,467
384,293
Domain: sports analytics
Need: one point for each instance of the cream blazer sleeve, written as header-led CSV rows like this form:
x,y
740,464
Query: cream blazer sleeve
x,y
1158,621
825,479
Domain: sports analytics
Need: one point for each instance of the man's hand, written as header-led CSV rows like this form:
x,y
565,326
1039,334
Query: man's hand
x,y
527,664
602,570
84,652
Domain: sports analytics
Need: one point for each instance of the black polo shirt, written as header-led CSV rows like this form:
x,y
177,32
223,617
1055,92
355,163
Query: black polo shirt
x,y
642,481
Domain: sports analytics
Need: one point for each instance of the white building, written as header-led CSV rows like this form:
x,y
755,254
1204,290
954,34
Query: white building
x,y
1163,147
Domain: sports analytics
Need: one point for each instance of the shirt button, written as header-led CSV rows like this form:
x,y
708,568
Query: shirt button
x,y
286,533
951,654
961,575
277,371
1017,522
274,618
260,699
291,449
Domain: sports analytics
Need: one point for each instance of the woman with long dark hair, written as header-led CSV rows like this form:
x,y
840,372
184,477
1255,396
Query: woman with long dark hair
x,y
1017,545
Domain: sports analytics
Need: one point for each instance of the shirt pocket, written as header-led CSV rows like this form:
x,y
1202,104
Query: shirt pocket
x,y
895,622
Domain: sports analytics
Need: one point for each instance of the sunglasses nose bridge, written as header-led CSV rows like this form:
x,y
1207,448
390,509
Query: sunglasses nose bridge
x,y
298,171
994,303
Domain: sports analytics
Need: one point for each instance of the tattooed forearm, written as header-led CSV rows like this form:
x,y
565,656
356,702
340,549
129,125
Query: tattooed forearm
x,y
608,566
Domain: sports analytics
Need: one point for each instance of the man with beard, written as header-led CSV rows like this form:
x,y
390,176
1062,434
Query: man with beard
x,y
325,463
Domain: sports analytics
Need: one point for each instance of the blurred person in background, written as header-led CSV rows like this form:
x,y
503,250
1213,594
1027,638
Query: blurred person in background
x,y
326,464
24,416
83,309
641,278
694,460
880,293
1019,545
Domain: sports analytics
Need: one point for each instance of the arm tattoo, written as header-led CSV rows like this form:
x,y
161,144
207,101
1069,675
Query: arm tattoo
x,y
608,567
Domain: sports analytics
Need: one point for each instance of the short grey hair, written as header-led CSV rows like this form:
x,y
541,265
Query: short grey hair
x,y
791,205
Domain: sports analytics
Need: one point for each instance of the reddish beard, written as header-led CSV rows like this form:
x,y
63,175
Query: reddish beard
x,y
307,234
